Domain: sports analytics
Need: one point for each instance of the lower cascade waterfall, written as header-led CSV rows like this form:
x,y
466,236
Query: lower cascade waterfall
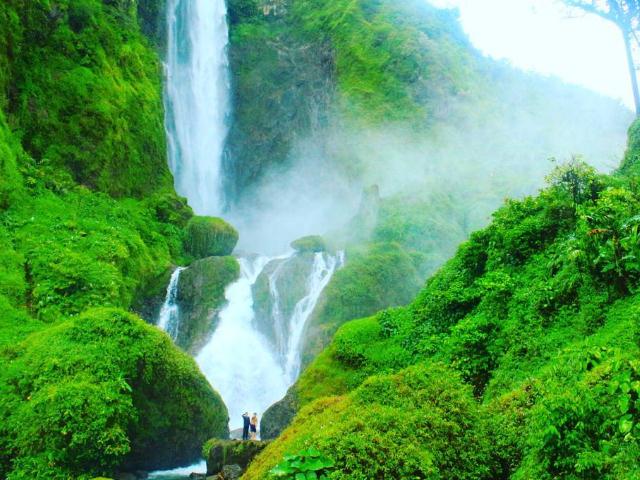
x,y
169,318
248,370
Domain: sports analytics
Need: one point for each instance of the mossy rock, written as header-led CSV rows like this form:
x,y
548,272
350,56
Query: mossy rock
x,y
201,296
311,243
104,392
210,237
221,453
290,277
279,415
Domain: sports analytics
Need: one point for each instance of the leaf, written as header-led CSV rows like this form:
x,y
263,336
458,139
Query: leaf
x,y
300,476
626,424
624,402
312,476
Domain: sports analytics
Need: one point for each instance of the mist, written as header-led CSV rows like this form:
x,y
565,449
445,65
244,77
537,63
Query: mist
x,y
477,154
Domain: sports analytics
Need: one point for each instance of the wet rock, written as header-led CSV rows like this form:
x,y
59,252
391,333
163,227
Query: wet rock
x,y
279,415
231,472
288,277
201,297
226,453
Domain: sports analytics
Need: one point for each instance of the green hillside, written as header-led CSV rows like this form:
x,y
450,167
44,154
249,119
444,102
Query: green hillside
x,y
88,218
519,358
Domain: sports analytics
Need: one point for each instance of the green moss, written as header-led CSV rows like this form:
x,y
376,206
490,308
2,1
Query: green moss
x,y
83,249
374,278
80,399
86,94
209,237
420,423
311,243
201,296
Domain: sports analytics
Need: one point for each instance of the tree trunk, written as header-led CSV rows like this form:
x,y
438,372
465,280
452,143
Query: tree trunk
x,y
632,71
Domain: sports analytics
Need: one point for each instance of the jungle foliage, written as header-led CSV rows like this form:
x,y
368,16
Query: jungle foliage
x,y
88,222
529,335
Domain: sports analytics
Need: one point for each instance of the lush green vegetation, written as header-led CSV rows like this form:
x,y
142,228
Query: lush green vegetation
x,y
85,93
88,218
375,277
536,319
310,464
209,237
98,392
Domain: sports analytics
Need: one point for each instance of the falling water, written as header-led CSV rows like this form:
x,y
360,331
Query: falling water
x,y
323,267
238,360
197,99
169,318
248,370
245,367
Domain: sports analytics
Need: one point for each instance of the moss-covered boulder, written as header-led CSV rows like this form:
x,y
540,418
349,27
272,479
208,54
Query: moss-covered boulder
x,y
279,415
375,277
102,392
209,237
200,298
311,243
221,453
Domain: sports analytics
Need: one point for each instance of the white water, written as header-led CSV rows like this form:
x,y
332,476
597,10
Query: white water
x,y
249,371
169,318
246,369
237,361
197,99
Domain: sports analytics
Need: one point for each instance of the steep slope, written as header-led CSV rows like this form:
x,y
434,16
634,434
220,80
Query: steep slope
x,y
333,97
533,326
88,219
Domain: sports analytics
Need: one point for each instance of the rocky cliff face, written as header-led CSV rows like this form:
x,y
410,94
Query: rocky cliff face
x,y
283,86
200,298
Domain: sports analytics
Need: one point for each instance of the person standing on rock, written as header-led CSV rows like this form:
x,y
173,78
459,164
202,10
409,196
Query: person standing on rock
x,y
254,426
245,425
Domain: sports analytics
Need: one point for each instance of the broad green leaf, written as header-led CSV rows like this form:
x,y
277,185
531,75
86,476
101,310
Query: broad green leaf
x,y
625,425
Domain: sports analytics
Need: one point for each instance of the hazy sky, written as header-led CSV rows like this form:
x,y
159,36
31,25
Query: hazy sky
x,y
539,35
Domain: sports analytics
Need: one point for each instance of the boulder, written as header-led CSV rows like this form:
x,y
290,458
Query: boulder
x,y
201,296
209,237
230,453
279,415
309,244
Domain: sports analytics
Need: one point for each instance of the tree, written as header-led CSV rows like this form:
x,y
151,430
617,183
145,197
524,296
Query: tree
x,y
625,14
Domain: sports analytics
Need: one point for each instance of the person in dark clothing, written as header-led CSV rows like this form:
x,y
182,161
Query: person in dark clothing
x,y
245,426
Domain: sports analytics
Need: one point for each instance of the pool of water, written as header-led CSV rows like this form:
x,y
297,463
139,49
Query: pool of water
x,y
179,473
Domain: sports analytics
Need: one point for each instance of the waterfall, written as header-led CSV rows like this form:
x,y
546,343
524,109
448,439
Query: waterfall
x,y
247,369
323,267
238,360
197,99
244,366
169,318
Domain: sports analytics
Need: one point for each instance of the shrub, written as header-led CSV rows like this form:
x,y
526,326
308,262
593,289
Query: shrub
x,y
81,398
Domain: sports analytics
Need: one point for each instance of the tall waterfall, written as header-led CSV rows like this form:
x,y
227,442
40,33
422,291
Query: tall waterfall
x,y
197,99
250,371
169,318
243,365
